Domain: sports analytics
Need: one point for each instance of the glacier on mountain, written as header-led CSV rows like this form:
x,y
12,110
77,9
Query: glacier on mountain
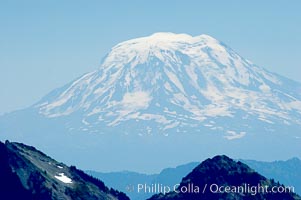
x,y
194,78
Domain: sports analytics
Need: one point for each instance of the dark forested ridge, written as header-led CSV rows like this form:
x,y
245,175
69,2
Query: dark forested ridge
x,y
26,173
222,171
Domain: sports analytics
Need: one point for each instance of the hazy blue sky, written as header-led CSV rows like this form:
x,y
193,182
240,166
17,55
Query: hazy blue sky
x,y
45,44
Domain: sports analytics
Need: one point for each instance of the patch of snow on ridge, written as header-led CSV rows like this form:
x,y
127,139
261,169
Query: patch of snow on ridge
x,y
232,135
174,79
62,177
170,126
294,105
136,100
265,88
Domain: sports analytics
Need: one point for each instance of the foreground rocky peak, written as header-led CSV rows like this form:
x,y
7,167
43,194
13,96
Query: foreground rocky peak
x,y
27,173
209,180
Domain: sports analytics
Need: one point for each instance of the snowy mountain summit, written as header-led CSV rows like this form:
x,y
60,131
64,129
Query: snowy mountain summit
x,y
167,83
168,99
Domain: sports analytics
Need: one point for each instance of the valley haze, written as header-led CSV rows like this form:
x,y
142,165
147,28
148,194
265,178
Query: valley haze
x,y
164,100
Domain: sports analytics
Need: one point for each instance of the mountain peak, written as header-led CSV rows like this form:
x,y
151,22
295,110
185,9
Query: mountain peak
x,y
172,79
168,37
162,45
222,171
179,37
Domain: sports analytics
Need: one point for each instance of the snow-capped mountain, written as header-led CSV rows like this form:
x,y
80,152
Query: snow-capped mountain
x,y
168,90
176,81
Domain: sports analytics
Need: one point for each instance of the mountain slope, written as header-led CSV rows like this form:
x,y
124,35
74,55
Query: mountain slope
x,y
165,91
27,173
287,172
223,172
127,182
